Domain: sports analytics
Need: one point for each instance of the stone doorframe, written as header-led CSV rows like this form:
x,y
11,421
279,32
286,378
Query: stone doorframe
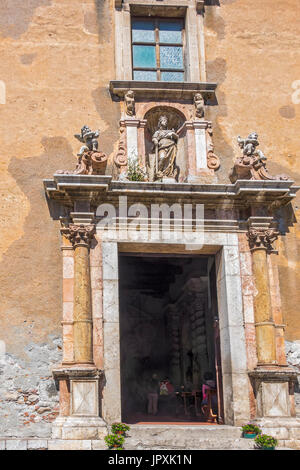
x,y
225,247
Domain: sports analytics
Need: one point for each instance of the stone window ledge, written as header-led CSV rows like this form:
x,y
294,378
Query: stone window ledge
x,y
163,90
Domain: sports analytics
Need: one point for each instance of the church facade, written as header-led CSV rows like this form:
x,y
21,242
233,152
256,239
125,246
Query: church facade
x,y
150,218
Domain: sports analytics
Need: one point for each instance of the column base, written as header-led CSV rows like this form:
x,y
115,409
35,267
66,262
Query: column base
x,y
79,427
274,392
81,404
286,430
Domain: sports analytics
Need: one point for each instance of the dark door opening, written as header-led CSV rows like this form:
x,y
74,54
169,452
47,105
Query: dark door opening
x,y
170,368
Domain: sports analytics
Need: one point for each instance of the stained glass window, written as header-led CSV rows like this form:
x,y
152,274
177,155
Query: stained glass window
x,y
157,49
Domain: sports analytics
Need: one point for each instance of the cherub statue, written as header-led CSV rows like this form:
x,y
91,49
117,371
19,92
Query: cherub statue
x,y
89,138
199,105
249,145
252,164
130,103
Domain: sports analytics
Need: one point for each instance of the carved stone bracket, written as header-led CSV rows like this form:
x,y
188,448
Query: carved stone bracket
x,y
199,105
261,238
79,234
120,158
129,103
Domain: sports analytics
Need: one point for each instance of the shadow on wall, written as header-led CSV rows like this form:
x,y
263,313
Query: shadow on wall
x,y
104,20
33,290
212,2
218,3
285,216
216,72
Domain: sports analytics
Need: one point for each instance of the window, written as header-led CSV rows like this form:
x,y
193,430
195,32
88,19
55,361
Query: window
x,y
157,49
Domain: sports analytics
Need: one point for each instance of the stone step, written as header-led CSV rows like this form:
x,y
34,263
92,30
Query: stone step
x,y
99,444
186,437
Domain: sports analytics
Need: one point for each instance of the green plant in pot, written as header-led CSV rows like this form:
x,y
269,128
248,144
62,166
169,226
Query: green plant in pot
x,y
265,442
250,430
114,441
119,428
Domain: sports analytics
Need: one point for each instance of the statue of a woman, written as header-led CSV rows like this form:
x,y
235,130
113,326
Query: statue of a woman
x,y
165,146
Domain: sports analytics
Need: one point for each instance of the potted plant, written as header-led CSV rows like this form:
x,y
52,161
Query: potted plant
x,y
265,442
250,430
114,441
119,428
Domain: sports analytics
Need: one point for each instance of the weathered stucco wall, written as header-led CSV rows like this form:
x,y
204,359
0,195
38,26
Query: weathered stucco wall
x,y
56,62
253,53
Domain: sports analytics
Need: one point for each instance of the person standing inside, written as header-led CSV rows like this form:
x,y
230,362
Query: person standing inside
x,y
153,391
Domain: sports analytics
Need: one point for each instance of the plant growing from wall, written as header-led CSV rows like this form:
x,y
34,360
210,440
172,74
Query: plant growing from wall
x,y
135,172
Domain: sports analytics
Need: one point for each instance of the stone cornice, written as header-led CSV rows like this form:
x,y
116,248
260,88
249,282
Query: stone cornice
x,y
199,4
164,90
67,189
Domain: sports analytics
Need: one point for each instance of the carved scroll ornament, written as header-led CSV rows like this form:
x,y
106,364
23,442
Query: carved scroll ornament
x,y
120,158
213,161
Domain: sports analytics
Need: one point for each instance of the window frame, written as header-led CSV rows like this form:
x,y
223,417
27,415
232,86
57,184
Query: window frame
x,y
158,69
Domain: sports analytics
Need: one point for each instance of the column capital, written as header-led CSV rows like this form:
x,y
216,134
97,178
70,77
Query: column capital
x,y
79,234
262,238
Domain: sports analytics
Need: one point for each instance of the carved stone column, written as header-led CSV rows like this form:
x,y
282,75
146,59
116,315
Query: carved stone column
x,y
273,384
260,241
80,380
80,237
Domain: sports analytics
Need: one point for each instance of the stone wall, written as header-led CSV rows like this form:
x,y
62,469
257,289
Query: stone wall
x,y
253,53
29,398
56,64
292,350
